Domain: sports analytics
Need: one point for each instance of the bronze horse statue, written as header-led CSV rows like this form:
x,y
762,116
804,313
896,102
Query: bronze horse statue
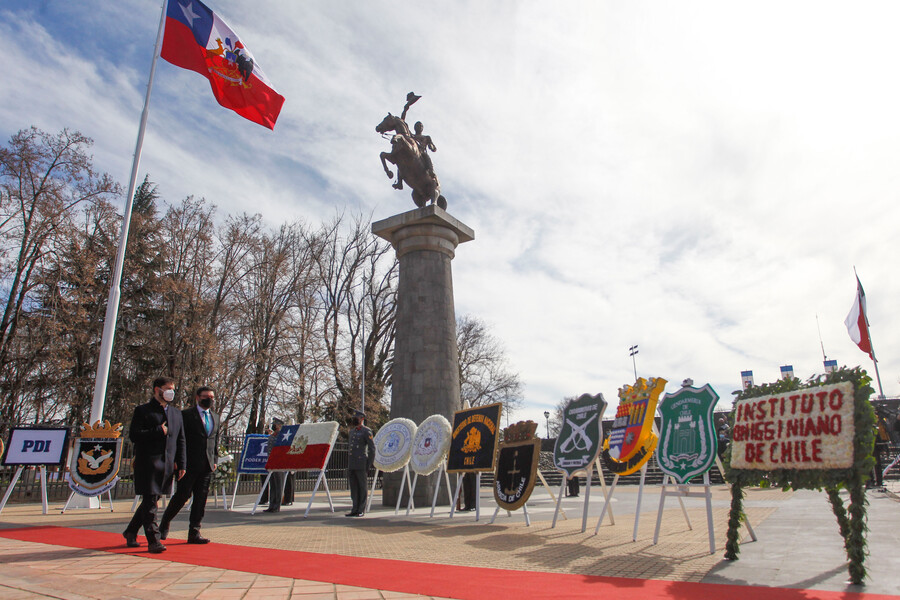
x,y
411,168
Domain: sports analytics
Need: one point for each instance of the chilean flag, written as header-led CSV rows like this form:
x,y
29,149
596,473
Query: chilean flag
x,y
857,323
199,40
305,446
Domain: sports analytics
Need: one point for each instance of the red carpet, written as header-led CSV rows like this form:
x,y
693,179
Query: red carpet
x,y
464,583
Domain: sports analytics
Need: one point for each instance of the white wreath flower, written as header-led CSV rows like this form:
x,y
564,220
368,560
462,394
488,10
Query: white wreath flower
x,y
431,445
393,444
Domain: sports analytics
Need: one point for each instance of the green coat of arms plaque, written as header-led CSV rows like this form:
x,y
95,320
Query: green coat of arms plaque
x,y
687,439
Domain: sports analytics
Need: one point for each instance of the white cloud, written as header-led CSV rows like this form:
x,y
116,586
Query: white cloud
x,y
698,178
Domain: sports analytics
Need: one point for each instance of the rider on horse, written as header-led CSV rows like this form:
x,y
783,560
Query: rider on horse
x,y
423,142
409,153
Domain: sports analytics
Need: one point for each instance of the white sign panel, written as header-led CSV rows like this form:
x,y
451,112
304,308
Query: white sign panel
x,y
36,446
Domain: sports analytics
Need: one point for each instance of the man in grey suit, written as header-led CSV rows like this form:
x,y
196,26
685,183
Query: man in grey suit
x,y
201,432
159,452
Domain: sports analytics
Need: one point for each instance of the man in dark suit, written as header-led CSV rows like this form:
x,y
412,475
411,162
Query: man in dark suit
x,y
201,432
159,452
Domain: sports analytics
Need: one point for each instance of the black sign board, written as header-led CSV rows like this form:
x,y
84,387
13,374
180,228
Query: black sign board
x,y
473,442
517,466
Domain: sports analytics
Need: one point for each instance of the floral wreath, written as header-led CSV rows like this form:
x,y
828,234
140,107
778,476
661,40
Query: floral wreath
x,y
431,445
393,444
224,467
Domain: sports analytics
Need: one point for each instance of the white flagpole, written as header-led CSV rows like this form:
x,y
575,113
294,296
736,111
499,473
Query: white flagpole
x,y
112,306
865,313
874,360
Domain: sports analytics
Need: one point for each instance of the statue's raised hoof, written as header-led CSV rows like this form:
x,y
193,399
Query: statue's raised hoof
x,y
442,202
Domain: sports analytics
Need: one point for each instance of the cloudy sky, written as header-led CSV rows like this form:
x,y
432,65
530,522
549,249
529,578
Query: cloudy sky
x,y
696,178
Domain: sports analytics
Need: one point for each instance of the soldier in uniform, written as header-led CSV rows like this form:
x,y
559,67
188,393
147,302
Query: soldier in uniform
x,y
360,459
276,480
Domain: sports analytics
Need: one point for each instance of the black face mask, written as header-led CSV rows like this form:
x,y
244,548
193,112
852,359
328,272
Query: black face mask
x,y
205,403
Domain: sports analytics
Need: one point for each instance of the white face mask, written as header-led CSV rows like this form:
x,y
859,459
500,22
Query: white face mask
x,y
168,395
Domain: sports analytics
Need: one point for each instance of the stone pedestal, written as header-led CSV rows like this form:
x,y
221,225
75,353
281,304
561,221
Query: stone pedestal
x,y
425,377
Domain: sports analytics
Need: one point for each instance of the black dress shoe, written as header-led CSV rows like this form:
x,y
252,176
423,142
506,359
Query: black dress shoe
x,y
352,514
272,510
360,514
163,531
130,539
196,538
156,548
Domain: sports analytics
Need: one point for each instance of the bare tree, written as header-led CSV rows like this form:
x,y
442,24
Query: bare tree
x,y
43,178
357,275
290,320
484,373
63,326
234,242
187,232
282,262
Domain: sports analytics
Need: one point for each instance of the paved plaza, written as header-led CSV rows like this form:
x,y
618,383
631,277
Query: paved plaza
x,y
799,547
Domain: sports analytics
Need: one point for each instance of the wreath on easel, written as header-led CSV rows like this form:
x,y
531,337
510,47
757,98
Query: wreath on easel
x,y
852,518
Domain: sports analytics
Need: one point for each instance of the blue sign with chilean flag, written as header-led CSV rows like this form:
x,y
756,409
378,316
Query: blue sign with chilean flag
x,y
254,455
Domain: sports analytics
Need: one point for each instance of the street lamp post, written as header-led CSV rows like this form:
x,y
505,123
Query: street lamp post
x,y
547,418
632,351
362,393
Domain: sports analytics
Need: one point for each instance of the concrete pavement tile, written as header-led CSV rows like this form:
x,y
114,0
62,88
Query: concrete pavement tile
x,y
362,595
204,578
221,594
183,593
312,587
267,594
281,582
186,586
228,585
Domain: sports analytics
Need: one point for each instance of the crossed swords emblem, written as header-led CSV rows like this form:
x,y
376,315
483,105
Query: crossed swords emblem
x,y
578,439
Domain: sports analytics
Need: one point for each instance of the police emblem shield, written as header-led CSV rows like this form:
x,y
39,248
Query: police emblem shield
x,y
95,459
687,439
517,463
631,440
581,435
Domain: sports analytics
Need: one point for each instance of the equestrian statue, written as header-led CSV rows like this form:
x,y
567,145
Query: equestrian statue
x,y
409,152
